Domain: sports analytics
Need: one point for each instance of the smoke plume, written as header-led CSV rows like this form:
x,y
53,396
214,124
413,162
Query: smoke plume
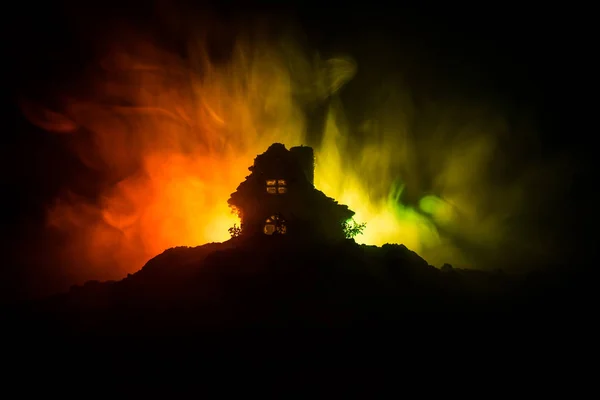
x,y
171,133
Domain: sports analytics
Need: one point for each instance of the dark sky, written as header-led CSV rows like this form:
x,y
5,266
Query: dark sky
x,y
534,58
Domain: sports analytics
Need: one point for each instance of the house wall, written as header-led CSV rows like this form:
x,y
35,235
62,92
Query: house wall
x,y
307,211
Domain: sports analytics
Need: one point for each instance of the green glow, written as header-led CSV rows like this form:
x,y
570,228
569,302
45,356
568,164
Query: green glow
x,y
431,204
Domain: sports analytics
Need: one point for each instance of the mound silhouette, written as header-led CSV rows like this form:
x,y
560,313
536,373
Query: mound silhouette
x,y
274,282
191,309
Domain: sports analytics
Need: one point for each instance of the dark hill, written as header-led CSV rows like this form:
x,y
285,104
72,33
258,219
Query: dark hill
x,y
273,282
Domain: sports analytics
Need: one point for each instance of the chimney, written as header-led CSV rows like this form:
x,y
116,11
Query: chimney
x,y
306,159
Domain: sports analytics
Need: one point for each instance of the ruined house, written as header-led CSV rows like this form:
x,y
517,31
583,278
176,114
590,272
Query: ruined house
x,y
279,198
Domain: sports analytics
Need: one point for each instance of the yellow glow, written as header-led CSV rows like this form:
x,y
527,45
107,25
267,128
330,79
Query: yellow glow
x,y
194,128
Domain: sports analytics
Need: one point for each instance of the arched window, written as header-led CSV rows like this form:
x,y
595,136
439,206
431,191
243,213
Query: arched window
x,y
275,225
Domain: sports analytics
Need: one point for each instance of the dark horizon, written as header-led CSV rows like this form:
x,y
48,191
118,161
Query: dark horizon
x,y
529,68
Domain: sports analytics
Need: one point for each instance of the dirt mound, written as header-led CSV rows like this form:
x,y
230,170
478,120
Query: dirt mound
x,y
278,283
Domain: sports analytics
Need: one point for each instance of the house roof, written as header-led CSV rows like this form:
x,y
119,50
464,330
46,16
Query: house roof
x,y
277,162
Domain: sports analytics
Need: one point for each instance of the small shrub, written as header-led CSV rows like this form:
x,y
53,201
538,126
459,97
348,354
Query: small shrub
x,y
235,231
353,228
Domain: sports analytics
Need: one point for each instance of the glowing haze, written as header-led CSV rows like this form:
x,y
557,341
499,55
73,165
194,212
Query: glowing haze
x,y
175,135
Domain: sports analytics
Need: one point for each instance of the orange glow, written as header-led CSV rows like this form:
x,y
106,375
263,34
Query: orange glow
x,y
190,134
174,136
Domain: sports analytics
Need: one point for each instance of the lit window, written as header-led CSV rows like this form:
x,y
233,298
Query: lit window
x,y
269,229
275,186
275,225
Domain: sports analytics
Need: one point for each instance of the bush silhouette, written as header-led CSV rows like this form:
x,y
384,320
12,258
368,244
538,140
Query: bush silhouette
x,y
235,231
353,228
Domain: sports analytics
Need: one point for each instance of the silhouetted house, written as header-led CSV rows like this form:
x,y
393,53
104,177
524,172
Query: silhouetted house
x,y
279,197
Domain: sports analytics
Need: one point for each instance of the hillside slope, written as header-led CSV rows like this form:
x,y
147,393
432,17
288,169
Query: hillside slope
x,y
278,283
